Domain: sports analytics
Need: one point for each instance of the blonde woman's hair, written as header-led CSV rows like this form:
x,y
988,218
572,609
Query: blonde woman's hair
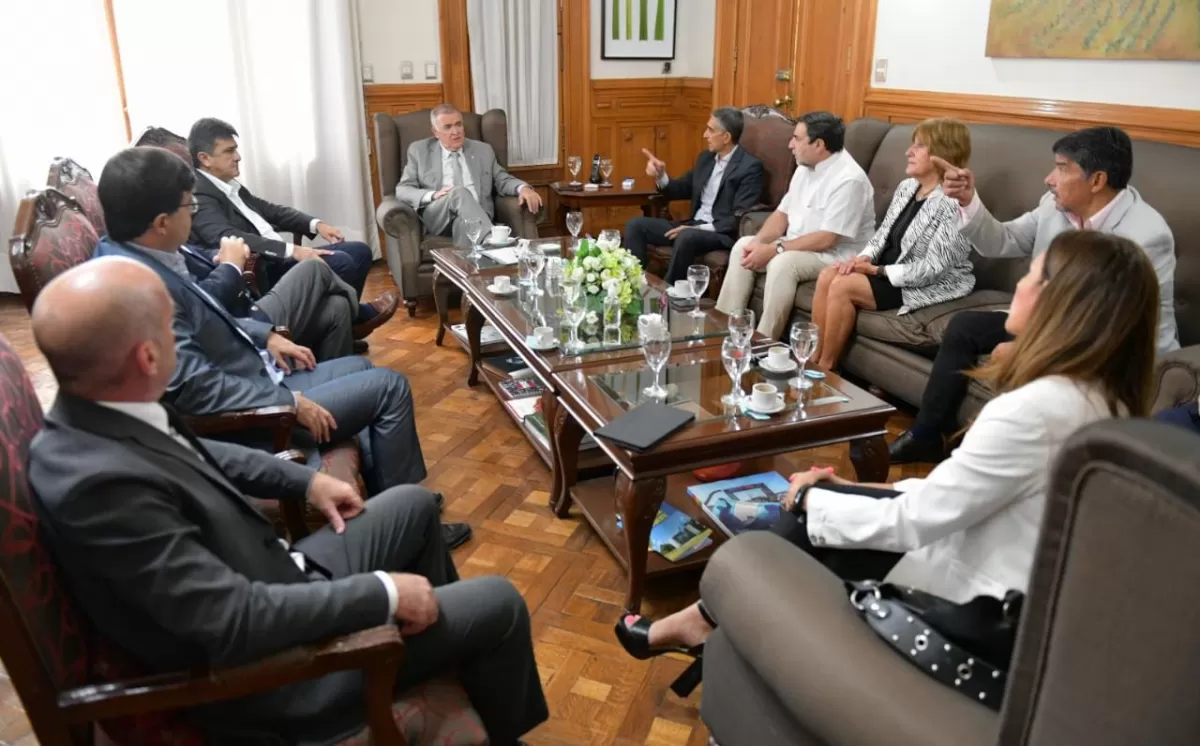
x,y
1095,321
946,138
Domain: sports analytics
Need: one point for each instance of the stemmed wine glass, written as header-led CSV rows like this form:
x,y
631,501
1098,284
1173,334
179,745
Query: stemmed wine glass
x,y
537,261
609,238
574,310
575,224
804,338
735,354
474,228
574,163
656,346
697,276
606,169
741,326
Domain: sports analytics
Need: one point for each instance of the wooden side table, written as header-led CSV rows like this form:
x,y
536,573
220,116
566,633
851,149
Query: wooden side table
x,y
643,195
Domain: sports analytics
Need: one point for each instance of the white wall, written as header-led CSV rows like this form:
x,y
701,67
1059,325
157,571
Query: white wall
x,y
391,31
938,45
695,34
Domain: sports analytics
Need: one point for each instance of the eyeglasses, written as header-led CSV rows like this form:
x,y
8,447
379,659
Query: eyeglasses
x,y
192,205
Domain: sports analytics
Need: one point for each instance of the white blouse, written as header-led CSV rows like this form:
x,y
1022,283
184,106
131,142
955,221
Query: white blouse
x,y
971,527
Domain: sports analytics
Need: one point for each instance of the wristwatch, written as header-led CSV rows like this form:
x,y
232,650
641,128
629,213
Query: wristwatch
x,y
779,246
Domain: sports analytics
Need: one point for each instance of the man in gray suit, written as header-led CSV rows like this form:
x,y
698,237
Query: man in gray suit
x,y
168,558
1089,189
449,179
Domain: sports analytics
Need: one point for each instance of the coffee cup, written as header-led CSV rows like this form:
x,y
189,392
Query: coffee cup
x,y
778,357
763,397
683,288
543,335
502,283
500,233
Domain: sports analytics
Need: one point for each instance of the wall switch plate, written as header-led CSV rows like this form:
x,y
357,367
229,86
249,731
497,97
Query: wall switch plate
x,y
406,70
368,73
881,70
431,71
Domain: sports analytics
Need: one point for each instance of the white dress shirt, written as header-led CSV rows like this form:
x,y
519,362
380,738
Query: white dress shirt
x,y
834,196
971,527
448,157
708,195
232,190
153,414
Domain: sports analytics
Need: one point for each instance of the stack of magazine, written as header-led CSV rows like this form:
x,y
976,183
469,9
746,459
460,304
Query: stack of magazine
x,y
742,504
677,535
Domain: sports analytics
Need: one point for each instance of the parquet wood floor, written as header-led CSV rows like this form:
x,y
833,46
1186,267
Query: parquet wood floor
x,y
492,478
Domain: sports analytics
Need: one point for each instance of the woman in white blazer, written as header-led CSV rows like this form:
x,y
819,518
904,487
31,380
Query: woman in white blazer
x,y
917,257
1084,321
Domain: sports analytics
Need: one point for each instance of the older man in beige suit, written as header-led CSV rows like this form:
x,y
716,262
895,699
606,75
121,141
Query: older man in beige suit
x,y
449,179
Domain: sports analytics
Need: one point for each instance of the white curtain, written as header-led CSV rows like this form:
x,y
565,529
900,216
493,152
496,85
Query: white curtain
x,y
284,73
514,66
61,98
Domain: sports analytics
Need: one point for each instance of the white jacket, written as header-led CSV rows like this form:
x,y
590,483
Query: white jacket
x,y
971,527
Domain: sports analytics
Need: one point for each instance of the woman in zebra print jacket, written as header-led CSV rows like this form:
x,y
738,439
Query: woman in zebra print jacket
x,y
917,257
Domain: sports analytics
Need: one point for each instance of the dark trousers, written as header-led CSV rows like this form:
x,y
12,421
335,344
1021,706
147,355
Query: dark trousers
x,y
1185,416
316,306
970,336
372,404
481,637
641,233
350,260
847,564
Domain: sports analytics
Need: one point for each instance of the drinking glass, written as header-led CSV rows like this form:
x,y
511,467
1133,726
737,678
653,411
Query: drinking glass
x,y
574,311
606,168
525,263
656,346
574,163
741,326
609,238
537,260
804,343
575,224
474,233
735,354
697,276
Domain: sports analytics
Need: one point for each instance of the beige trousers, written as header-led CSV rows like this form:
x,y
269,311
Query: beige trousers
x,y
784,274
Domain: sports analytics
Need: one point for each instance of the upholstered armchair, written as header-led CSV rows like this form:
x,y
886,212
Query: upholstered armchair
x,y
73,681
76,182
407,247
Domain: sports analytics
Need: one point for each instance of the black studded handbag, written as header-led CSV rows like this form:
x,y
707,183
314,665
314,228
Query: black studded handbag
x,y
968,647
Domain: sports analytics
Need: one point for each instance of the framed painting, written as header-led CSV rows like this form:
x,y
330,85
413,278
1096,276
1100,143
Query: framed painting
x,y
1095,29
637,29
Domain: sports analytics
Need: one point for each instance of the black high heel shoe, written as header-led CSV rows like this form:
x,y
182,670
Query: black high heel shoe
x,y
635,638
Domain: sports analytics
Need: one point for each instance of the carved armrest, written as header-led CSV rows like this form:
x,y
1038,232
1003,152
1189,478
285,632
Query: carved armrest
x,y
279,420
379,651
250,275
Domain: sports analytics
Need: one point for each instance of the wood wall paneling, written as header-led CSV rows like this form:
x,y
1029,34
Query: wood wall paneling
x,y
456,54
1179,126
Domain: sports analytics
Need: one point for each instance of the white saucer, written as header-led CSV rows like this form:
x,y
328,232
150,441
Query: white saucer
x,y
780,404
499,244
772,369
671,292
538,346
511,289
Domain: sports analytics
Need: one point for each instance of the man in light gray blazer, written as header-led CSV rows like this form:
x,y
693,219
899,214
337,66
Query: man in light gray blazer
x,y
170,561
1089,189
449,179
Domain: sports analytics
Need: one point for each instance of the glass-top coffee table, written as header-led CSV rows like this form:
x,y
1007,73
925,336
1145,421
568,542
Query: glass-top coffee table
x,y
622,510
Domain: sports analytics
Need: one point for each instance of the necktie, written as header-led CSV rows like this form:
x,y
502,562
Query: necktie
x,y
456,172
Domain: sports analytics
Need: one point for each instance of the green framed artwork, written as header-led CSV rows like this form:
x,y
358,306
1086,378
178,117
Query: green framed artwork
x,y
1095,29
637,29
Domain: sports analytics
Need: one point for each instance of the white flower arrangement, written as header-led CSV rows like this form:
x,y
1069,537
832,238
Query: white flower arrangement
x,y
598,267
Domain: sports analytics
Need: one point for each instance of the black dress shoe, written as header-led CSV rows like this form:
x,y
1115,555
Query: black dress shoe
x,y
361,347
908,450
455,534
440,501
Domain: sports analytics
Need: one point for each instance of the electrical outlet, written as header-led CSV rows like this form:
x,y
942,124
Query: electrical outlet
x,y
406,70
431,71
881,70
368,73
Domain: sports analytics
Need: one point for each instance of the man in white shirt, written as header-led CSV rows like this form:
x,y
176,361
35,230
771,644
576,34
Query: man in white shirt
x,y
168,558
725,180
224,207
826,216
450,179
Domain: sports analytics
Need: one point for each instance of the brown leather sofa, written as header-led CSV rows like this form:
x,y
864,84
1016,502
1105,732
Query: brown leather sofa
x,y
407,247
1010,163
1106,654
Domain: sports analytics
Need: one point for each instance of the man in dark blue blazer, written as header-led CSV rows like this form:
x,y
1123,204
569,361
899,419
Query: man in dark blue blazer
x,y
225,363
725,181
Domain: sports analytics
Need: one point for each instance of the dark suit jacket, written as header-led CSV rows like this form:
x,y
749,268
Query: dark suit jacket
x,y
222,281
218,367
171,562
741,187
217,217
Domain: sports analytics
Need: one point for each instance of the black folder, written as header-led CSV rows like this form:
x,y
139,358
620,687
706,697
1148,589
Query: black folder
x,y
643,427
